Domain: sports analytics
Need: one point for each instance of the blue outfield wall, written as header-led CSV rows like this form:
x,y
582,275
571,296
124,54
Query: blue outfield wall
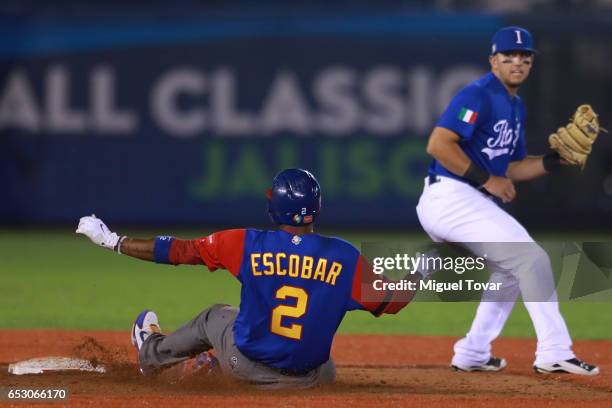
x,y
185,122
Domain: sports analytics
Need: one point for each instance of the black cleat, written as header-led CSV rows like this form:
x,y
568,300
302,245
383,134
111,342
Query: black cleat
x,y
494,364
571,366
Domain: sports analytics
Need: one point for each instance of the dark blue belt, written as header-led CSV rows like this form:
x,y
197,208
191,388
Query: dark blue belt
x,y
433,178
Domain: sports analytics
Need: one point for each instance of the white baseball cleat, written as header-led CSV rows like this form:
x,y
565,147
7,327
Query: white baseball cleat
x,y
571,366
494,364
145,324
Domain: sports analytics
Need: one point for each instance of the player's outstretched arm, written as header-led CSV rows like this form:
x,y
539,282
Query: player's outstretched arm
x,y
138,248
96,230
221,250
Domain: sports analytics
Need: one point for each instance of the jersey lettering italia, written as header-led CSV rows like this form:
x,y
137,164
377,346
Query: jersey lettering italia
x,y
295,290
491,125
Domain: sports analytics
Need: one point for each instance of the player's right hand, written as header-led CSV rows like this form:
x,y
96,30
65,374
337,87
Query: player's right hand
x,y
95,229
501,187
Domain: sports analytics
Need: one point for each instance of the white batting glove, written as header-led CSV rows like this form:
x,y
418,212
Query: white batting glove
x,y
95,229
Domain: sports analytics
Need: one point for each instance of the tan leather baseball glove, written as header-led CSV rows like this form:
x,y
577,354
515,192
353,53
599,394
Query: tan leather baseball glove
x,y
574,141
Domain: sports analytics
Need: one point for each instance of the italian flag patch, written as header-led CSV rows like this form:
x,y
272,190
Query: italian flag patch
x,y
467,116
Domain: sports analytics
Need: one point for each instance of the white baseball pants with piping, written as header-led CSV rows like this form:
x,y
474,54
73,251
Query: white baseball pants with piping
x,y
453,211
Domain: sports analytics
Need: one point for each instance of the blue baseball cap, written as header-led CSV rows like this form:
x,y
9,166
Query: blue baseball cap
x,y
512,39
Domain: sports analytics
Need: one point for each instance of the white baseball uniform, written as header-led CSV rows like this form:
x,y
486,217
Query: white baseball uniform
x,y
491,125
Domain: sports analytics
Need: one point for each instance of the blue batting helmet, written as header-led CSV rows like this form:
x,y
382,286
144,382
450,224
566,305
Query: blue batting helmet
x,y
294,198
512,39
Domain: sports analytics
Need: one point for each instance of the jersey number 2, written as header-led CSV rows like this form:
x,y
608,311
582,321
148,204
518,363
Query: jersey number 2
x,y
293,331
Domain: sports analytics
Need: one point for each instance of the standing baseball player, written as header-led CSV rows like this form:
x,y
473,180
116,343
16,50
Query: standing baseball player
x,y
478,146
296,288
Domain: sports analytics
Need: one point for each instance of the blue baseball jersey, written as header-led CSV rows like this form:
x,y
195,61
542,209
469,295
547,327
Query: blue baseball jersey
x,y
490,123
295,290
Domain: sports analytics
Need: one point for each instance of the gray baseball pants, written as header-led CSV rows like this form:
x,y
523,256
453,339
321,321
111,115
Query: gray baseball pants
x,y
213,329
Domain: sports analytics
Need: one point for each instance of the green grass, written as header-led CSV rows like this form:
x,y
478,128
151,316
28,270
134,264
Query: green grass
x,y
56,279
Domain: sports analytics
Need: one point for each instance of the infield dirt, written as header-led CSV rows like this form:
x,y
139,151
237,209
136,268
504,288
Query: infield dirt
x,y
372,370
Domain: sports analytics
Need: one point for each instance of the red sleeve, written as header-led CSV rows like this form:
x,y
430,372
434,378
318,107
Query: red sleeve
x,y
376,301
221,250
363,291
184,251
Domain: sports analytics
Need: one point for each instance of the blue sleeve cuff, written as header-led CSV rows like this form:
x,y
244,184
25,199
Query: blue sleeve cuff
x,y
161,249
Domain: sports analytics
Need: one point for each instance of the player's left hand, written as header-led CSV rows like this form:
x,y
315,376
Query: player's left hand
x,y
574,141
95,229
